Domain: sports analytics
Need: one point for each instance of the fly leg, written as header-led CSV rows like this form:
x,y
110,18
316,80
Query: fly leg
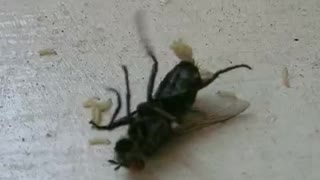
x,y
153,74
207,81
122,121
115,114
128,95
142,33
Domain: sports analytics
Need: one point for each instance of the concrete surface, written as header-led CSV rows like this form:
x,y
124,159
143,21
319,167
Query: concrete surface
x,y
44,129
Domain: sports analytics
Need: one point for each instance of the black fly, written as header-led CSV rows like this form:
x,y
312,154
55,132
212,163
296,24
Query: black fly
x,y
150,125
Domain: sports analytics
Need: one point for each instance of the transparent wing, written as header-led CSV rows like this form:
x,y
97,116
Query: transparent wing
x,y
223,106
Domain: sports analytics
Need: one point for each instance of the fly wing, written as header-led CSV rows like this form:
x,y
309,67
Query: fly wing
x,y
223,106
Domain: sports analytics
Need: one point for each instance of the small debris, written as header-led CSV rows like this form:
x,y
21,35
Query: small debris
x,y
97,108
90,102
48,135
164,2
104,105
96,115
272,118
182,50
285,77
227,94
296,39
99,141
47,52
23,139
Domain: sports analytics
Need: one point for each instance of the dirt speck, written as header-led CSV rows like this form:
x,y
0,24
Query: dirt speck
x,y
285,77
47,52
40,19
272,118
164,2
316,65
66,12
296,39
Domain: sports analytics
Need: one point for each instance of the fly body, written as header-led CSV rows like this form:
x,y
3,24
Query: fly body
x,y
150,124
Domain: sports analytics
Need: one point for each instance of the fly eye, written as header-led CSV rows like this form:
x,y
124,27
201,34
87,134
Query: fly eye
x,y
123,146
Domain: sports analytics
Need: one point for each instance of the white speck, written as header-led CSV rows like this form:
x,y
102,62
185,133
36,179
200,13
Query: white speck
x,y
285,77
164,2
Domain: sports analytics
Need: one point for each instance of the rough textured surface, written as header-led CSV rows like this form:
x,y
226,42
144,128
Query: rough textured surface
x,y
44,129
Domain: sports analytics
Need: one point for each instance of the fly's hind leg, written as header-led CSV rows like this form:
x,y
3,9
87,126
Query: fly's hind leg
x,y
114,116
118,123
125,120
208,78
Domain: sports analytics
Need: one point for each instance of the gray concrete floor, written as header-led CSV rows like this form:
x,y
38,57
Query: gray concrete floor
x,y
277,138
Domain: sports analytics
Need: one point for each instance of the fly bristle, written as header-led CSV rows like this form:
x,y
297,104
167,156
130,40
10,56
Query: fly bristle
x,y
182,50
